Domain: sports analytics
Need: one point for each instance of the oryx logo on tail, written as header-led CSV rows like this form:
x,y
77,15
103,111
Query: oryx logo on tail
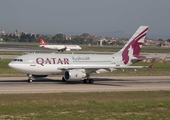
x,y
133,47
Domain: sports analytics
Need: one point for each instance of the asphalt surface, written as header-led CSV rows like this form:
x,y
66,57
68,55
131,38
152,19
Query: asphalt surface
x,y
10,85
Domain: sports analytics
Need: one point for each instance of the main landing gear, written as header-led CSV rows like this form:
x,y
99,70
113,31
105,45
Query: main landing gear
x,y
88,80
30,78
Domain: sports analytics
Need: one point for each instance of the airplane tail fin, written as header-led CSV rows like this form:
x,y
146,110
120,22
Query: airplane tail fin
x,y
42,42
133,46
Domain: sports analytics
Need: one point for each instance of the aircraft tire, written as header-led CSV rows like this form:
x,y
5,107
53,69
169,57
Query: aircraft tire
x,y
29,80
63,79
91,81
85,81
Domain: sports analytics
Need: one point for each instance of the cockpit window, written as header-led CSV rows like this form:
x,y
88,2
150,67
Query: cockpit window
x,y
15,60
20,60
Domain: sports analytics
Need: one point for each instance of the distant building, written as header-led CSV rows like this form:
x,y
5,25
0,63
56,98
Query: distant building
x,y
2,32
68,37
18,33
33,34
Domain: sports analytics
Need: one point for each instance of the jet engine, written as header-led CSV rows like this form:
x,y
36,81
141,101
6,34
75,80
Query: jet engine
x,y
74,75
67,49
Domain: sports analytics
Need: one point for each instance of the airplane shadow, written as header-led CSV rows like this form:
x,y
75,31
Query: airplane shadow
x,y
97,81
25,80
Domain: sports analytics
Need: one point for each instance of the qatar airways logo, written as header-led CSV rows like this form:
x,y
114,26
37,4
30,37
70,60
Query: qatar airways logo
x,y
81,58
134,47
43,61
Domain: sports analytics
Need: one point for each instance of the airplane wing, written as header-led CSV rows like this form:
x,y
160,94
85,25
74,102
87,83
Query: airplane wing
x,y
101,67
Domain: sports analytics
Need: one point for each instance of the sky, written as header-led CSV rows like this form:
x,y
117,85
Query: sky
x,y
97,17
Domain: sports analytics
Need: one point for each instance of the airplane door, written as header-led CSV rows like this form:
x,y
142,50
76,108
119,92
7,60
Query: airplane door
x,y
113,60
32,63
116,60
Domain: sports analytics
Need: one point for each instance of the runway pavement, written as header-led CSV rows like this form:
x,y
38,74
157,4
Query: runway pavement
x,y
10,85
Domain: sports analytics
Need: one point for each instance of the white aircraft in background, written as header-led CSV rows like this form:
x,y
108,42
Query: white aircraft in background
x,y
59,47
80,66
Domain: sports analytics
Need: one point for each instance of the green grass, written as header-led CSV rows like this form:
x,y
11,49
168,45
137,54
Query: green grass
x,y
159,69
5,70
101,48
11,53
105,49
86,106
145,49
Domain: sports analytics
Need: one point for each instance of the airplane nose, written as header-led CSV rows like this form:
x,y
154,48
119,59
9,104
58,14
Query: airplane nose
x,y
15,66
11,65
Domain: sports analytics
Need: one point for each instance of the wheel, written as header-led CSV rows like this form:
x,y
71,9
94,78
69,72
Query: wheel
x,y
63,79
91,81
29,80
85,81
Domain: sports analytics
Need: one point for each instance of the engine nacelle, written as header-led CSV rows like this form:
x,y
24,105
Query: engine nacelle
x,y
67,49
74,75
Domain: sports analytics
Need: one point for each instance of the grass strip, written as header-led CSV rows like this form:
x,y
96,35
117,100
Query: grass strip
x,y
151,105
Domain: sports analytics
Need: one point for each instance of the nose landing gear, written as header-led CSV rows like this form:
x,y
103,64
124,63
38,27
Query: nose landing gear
x,y
30,78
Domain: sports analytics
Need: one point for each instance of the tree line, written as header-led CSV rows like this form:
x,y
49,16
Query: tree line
x,y
58,38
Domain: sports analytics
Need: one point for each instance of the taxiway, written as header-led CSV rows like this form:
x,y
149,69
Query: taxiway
x,y
10,85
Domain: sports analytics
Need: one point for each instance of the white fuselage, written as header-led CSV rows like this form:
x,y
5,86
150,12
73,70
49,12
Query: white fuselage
x,y
45,64
59,47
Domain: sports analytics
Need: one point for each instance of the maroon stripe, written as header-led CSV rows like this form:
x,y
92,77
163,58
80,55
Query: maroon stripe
x,y
140,37
141,33
135,39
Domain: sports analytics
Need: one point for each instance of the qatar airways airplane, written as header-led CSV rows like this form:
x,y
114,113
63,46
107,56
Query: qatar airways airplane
x,y
80,66
59,47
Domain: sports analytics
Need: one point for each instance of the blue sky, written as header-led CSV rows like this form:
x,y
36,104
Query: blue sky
x,y
97,17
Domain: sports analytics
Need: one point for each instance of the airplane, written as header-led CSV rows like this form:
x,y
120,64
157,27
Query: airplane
x,y
80,66
58,47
